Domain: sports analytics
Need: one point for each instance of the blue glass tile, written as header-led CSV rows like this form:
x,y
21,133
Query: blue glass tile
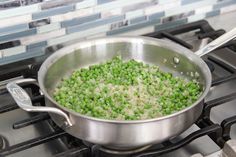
x,y
104,1
93,24
15,28
53,11
57,3
184,2
36,45
156,15
137,20
213,13
17,35
36,50
170,24
223,4
22,56
81,20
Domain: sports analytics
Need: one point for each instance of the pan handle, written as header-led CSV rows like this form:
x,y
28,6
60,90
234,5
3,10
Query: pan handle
x,y
23,100
217,43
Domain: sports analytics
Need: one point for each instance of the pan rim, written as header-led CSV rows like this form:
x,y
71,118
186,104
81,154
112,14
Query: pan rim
x,y
157,42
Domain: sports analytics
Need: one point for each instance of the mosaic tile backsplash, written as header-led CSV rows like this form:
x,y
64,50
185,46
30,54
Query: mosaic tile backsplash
x,y
29,26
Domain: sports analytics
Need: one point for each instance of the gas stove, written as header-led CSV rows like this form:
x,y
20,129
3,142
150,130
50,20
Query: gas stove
x,y
25,134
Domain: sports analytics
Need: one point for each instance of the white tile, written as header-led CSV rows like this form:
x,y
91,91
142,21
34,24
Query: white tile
x,y
99,35
48,28
228,9
13,51
42,37
85,4
78,35
134,14
116,4
159,8
204,9
166,1
71,15
109,13
196,17
189,7
15,20
19,11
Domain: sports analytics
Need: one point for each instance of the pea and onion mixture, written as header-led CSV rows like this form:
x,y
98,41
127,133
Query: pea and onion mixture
x,y
125,90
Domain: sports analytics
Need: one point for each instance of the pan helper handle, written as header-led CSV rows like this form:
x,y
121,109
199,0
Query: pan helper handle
x,y
23,100
217,43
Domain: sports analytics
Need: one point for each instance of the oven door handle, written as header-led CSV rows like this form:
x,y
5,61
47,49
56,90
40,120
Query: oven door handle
x,y
23,100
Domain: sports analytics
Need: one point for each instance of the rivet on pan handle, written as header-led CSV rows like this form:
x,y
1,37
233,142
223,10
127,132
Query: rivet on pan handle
x,y
23,100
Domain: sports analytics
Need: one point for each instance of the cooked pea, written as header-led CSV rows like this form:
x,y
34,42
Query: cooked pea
x,y
125,90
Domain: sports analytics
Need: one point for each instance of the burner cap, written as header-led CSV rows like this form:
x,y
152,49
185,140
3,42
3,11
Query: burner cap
x,y
124,152
115,152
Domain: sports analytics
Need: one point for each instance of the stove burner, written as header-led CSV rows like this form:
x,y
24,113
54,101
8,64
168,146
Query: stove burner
x,y
112,151
123,152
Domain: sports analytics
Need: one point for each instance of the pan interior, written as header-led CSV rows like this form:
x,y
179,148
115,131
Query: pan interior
x,y
164,56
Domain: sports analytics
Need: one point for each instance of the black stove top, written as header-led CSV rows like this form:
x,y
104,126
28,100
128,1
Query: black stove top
x,y
66,145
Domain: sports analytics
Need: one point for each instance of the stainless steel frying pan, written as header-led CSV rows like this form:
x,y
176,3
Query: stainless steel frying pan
x,y
112,133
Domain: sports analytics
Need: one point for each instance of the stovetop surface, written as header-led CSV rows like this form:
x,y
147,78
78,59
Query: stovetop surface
x,y
58,146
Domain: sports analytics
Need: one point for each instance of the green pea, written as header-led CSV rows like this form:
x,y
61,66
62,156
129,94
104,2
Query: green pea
x,y
108,91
